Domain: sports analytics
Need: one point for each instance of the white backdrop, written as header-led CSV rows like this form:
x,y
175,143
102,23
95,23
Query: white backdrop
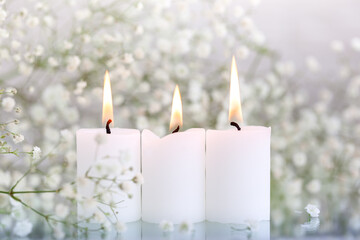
x,y
299,28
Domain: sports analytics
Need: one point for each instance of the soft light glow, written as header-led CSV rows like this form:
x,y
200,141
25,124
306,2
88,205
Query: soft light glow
x,y
107,112
176,110
235,112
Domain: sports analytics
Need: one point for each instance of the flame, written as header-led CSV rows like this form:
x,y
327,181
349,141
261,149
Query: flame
x,y
235,112
176,110
107,112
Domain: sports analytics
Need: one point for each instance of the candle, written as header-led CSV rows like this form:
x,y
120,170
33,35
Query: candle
x,y
237,167
109,153
174,171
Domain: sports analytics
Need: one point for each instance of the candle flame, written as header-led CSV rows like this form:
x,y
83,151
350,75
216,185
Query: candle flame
x,y
235,112
176,110
107,112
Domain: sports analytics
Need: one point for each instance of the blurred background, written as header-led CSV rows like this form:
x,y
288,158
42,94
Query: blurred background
x,y
299,73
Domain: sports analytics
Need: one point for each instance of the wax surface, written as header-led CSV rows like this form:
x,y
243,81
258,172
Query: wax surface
x,y
174,176
238,175
113,153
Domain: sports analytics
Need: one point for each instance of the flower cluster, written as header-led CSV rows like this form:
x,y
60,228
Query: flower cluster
x,y
56,64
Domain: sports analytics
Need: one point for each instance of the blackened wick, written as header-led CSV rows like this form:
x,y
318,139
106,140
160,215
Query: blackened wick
x,y
235,125
176,129
108,131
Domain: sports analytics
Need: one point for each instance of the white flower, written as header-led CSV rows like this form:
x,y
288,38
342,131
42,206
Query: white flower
x,y
61,210
36,153
299,159
238,11
8,104
3,15
128,58
18,138
203,50
166,226
138,179
53,62
32,21
313,64
67,191
125,186
82,14
4,33
247,24
73,63
186,227
242,52
314,186
25,69
312,210
59,232
355,44
181,70
22,228
120,227
89,205
39,50
337,46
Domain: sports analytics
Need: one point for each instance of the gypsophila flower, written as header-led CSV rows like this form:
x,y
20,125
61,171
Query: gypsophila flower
x,y
355,44
312,210
62,211
337,46
36,153
18,138
186,227
311,225
23,228
73,63
166,226
138,179
8,104
125,186
120,227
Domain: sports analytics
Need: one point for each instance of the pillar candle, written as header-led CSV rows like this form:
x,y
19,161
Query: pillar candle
x,y
237,167
174,171
112,156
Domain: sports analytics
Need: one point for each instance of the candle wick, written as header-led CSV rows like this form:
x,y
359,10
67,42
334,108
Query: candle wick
x,y
176,129
235,125
108,131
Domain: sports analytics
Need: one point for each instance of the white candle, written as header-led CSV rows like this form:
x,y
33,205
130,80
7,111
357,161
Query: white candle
x,y
109,156
237,168
174,171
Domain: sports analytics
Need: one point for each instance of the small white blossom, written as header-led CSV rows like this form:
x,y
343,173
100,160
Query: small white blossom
x,y
18,138
68,191
23,228
32,21
186,227
138,179
8,104
4,33
299,159
82,14
62,211
125,186
36,153
166,226
312,64
337,46
314,186
73,63
312,210
355,44
120,227
53,62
